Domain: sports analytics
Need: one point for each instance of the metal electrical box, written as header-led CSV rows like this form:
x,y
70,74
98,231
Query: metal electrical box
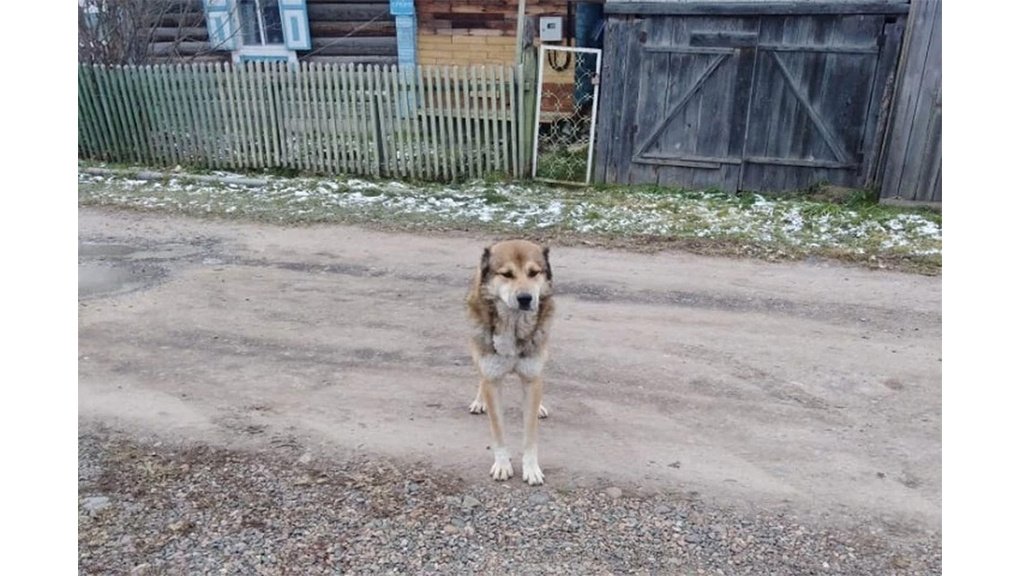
x,y
551,29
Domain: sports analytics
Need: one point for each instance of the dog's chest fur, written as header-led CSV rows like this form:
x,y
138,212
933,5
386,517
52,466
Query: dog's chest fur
x,y
513,331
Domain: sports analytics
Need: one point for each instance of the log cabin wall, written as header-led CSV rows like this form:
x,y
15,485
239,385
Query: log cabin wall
x,y
347,31
341,32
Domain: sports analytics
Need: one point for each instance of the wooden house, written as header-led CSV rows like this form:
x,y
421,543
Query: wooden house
x,y
180,31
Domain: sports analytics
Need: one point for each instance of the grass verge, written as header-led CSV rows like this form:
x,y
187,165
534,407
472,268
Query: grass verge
x,y
823,223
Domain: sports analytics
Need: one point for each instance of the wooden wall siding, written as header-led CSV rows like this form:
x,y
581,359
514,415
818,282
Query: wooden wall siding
x,y
480,17
761,103
179,33
345,31
913,164
441,123
351,32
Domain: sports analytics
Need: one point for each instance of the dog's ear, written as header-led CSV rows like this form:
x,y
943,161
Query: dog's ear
x,y
547,263
485,264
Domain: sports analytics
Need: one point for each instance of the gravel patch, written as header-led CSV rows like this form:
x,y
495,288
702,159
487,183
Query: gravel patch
x,y
151,508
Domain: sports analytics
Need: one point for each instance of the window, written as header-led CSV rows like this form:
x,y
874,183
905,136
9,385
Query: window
x,y
258,29
260,21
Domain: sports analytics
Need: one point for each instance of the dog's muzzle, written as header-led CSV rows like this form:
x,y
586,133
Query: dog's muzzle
x,y
525,301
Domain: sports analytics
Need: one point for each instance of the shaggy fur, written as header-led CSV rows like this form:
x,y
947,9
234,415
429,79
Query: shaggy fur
x,y
511,307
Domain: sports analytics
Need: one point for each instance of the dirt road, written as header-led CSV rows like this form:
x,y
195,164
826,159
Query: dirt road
x,y
805,387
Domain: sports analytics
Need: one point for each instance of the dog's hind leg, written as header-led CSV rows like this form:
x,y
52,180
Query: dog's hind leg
x,y
478,406
532,391
502,468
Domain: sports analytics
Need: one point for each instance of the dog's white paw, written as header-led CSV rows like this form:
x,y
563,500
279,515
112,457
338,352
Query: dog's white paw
x,y
502,468
543,412
531,472
477,407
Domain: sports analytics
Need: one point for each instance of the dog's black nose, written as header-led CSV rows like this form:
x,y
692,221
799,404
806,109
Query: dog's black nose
x,y
525,300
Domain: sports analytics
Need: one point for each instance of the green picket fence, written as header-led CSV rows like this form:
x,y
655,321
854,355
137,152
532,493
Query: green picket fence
x,y
429,123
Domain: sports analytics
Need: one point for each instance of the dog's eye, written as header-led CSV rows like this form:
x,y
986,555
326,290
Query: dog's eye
x,y
508,274
533,273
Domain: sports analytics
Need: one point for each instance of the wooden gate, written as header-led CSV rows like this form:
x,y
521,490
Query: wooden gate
x,y
754,101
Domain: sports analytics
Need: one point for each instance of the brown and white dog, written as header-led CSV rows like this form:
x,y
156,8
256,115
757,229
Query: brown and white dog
x,y
511,306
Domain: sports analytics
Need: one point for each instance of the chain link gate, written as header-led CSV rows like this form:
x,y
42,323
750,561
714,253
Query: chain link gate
x,y
563,146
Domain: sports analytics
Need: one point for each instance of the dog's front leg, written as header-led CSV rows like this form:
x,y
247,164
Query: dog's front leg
x,y
533,389
478,406
502,468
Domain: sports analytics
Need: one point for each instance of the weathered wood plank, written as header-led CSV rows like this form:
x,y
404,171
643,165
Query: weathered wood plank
x,y
88,148
259,85
356,46
442,103
344,117
348,12
823,138
228,148
456,120
482,88
397,130
117,95
353,122
915,98
383,60
631,88
371,122
319,105
178,49
112,124
244,76
311,126
609,135
406,99
926,127
213,127
335,110
204,133
104,148
130,103
276,110
351,29
305,119
238,96
477,150
192,88
182,133
384,132
712,8
99,115
504,121
420,122
288,116
498,124
424,115
880,109
168,124
321,146
797,123
224,116
185,89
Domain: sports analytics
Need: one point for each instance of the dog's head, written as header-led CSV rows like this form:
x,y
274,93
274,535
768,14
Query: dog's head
x,y
516,273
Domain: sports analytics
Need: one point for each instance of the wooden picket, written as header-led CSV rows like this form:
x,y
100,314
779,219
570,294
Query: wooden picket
x,y
423,123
